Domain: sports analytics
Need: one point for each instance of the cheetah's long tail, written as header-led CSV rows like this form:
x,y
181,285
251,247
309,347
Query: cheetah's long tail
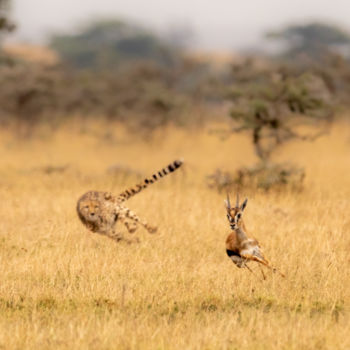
x,y
150,180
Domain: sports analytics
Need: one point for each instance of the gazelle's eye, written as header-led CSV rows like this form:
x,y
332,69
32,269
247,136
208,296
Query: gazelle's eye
x,y
239,216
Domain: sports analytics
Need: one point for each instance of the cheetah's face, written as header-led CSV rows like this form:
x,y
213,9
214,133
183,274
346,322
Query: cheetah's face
x,y
91,210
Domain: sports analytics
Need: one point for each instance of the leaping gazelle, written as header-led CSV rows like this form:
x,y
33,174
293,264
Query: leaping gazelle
x,y
239,247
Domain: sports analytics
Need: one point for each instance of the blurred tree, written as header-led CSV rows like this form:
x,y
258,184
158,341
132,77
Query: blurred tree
x,y
108,43
5,23
313,39
275,106
180,35
5,26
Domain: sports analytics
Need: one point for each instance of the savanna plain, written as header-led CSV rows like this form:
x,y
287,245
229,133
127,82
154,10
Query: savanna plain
x,y
63,287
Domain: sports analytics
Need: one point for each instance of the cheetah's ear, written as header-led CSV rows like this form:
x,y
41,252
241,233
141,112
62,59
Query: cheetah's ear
x,y
108,195
244,204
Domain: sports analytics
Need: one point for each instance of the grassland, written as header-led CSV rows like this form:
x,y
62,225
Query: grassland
x,y
62,287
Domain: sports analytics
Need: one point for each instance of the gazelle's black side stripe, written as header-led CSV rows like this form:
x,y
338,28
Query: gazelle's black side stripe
x,y
150,180
232,253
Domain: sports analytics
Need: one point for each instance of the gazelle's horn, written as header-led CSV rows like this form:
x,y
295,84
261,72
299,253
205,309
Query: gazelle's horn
x,y
228,204
237,201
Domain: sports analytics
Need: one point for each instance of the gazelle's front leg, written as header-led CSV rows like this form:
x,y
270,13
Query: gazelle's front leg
x,y
262,272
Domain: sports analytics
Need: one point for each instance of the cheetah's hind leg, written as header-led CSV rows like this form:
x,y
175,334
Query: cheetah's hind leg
x,y
132,216
130,226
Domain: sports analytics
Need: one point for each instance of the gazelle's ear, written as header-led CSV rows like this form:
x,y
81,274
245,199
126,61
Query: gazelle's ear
x,y
244,204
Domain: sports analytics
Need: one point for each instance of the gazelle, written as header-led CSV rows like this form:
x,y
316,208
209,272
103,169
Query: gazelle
x,y
239,247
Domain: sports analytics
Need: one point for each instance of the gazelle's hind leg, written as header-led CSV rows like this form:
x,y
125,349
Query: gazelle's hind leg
x,y
250,270
127,213
261,261
274,269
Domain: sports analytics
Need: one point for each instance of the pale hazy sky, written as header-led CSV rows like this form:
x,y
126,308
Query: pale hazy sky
x,y
222,24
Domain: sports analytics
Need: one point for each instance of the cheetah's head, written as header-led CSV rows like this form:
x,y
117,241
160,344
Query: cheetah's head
x,y
89,210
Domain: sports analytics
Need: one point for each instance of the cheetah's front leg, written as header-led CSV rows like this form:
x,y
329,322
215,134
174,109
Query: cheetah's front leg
x,y
118,237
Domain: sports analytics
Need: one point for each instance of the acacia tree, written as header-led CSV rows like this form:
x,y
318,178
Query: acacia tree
x,y
275,106
273,109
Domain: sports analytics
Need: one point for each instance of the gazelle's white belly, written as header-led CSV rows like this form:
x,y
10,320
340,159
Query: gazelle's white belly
x,y
251,247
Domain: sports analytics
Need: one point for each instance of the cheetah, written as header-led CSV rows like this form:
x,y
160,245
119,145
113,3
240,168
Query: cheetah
x,y
100,211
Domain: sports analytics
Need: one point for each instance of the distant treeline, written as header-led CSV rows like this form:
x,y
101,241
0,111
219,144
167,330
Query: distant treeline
x,y
120,71
142,92
109,43
147,92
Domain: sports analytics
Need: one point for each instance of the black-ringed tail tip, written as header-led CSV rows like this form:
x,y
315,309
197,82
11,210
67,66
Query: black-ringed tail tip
x,y
176,164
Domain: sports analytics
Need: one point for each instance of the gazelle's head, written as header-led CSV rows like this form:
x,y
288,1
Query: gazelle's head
x,y
234,214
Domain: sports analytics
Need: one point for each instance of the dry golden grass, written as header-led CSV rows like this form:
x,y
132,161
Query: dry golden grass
x,y
63,287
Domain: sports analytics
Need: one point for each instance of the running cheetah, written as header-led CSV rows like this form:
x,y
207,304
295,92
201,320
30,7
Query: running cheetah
x,y
100,211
